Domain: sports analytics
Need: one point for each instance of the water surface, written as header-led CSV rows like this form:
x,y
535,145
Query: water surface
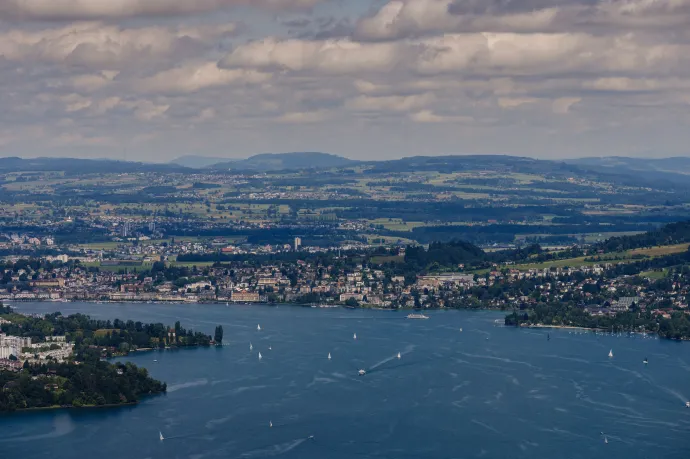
x,y
488,391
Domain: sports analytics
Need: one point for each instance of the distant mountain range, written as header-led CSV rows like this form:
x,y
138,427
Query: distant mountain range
x,y
673,172
678,164
198,162
82,166
268,162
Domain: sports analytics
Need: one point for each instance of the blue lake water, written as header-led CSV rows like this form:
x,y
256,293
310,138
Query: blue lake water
x,y
488,391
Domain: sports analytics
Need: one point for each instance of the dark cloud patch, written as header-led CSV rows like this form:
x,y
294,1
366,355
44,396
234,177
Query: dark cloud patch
x,y
331,27
297,23
483,7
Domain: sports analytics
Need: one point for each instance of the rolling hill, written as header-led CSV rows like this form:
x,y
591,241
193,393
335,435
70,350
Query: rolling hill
x,y
286,161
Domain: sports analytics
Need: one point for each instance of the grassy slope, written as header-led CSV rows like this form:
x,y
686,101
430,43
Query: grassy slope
x,y
609,257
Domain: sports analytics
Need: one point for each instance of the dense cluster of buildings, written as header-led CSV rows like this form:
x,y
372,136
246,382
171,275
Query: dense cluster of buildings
x,y
15,350
311,282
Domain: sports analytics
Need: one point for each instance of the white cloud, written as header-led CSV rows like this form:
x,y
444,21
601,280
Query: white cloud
x,y
146,110
106,47
625,84
90,82
390,103
195,76
303,117
328,56
206,114
515,102
428,116
399,19
105,105
111,9
75,103
477,54
563,105
410,64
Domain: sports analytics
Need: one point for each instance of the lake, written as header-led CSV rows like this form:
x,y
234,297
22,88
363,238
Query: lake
x,y
486,391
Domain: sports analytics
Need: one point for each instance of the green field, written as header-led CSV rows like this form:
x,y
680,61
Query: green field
x,y
655,275
607,258
388,259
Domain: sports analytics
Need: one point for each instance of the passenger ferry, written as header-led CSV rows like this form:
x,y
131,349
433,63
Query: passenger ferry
x,y
417,316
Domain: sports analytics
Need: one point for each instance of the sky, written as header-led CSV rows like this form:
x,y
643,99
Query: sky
x,y
152,80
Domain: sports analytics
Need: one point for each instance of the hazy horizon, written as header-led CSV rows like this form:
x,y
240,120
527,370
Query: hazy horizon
x,y
238,158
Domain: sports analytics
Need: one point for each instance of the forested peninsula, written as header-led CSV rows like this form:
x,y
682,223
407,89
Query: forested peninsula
x,y
84,378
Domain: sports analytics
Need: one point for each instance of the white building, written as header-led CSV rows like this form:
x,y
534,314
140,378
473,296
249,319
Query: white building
x,y
58,339
12,345
6,351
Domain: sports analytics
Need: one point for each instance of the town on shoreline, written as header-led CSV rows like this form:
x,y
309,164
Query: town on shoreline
x,y
630,283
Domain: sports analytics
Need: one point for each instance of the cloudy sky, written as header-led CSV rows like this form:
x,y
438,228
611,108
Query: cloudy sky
x,y
369,79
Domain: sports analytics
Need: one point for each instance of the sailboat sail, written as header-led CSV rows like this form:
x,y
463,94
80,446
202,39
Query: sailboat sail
x,y
160,434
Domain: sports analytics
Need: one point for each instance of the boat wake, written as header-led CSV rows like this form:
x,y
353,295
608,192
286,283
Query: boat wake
x,y
395,357
198,382
275,450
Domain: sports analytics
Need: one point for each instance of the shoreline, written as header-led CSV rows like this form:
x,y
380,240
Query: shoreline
x,y
594,330
69,407
15,303
565,327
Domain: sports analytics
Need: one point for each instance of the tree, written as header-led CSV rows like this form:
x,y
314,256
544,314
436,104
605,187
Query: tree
x,y
352,302
218,336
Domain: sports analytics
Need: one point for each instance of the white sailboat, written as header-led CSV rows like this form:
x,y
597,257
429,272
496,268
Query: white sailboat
x,y
270,423
160,434
606,440
260,357
329,356
399,356
270,348
611,353
250,346
258,328
354,336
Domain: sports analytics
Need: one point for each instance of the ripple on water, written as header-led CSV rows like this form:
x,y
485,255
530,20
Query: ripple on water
x,y
514,395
